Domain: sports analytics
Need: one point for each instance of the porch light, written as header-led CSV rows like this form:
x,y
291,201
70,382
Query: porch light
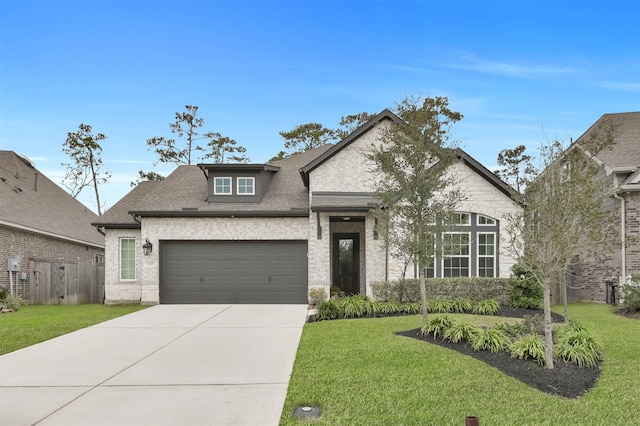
x,y
147,247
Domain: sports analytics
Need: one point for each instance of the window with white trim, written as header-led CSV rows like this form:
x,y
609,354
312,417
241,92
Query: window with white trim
x,y
485,220
127,259
246,186
486,254
457,254
222,186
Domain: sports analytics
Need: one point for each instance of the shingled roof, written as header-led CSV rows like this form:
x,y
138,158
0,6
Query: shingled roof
x,y
625,153
32,202
184,193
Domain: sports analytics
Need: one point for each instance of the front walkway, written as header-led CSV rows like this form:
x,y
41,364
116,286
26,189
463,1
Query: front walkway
x,y
166,365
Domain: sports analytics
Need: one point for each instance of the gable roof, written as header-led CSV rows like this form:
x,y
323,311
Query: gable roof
x,y
32,202
625,153
387,114
184,194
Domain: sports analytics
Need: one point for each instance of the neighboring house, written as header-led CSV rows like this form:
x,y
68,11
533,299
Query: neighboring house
x,y
621,165
267,233
39,221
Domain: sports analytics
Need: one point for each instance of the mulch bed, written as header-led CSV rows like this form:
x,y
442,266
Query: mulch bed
x,y
565,379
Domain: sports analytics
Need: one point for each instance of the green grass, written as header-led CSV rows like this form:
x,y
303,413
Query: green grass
x,y
36,323
360,373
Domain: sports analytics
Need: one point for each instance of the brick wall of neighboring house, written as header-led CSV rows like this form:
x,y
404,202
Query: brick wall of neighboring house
x,y
593,272
29,245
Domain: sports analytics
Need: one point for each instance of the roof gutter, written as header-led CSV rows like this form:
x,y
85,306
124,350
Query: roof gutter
x,y
222,213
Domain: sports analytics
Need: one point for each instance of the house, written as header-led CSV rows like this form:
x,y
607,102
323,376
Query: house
x,y
267,233
40,222
621,163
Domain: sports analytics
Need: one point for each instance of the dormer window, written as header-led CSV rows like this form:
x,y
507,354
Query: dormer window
x,y
246,186
222,186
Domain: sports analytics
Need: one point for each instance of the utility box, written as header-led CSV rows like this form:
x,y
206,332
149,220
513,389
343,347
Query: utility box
x,y
14,264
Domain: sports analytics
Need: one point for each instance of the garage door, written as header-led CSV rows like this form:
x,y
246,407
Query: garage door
x,y
233,272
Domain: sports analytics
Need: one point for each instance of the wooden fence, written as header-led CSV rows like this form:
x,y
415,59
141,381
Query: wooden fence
x,y
64,282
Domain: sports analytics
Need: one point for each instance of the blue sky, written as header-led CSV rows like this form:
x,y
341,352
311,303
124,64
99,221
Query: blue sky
x,y
518,71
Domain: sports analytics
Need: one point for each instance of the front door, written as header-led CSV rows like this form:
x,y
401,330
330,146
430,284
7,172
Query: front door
x,y
346,262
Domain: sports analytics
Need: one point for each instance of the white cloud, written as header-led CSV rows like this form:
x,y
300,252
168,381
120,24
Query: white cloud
x,y
510,69
624,87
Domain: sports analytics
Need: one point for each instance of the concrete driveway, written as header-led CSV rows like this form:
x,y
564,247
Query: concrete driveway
x,y
166,365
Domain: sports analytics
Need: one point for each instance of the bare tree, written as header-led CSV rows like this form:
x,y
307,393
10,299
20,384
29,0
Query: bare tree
x,y
85,169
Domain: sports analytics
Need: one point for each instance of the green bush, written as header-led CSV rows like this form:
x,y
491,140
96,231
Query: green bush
x,y
411,308
3,292
317,295
528,347
631,294
492,339
402,291
357,306
462,305
575,343
474,288
329,310
10,301
388,307
441,306
486,307
437,326
523,290
461,332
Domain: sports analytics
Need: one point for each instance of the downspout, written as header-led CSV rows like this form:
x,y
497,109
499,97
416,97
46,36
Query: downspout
x,y
623,230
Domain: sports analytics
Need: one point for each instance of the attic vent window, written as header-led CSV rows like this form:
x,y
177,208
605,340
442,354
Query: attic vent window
x,y
222,186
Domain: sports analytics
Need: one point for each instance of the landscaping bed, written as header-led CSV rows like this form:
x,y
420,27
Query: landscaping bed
x,y
565,379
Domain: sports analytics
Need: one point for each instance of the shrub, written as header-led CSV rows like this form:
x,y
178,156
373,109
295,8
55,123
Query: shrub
x,y
528,347
10,301
3,292
437,326
486,307
530,325
402,291
357,306
441,306
523,290
575,343
388,307
631,294
411,308
462,305
461,332
492,339
329,310
317,295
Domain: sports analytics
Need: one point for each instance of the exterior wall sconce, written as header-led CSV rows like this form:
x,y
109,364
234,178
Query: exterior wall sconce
x,y
147,247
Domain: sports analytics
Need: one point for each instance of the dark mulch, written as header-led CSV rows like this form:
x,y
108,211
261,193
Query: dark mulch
x,y
565,379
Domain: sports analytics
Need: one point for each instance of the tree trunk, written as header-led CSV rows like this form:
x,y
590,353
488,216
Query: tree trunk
x,y
565,299
423,295
95,183
548,326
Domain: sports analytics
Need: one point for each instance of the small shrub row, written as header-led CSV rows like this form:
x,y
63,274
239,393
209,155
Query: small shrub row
x,y
474,288
574,343
362,306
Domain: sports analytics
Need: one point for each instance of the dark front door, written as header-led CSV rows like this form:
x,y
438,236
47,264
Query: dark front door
x,y
346,262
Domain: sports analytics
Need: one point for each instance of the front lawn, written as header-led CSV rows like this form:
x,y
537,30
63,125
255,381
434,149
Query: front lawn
x,y
36,323
359,372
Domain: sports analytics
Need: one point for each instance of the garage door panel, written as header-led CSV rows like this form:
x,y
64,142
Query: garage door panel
x,y
233,272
